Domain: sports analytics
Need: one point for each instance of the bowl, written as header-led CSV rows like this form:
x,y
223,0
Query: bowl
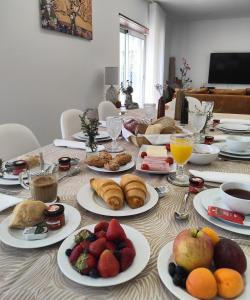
x,y
204,154
236,204
238,143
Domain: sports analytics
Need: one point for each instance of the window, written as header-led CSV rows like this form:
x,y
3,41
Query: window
x,y
132,62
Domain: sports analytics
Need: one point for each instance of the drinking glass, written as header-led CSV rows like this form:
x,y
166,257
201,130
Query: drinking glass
x,y
114,127
150,111
181,146
198,120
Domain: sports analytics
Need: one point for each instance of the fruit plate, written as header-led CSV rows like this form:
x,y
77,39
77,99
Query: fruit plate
x,y
139,162
141,259
210,194
89,200
164,259
14,237
126,167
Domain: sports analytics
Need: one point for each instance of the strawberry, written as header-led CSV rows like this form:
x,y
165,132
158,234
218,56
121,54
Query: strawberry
x,y
97,246
76,252
170,160
126,258
126,244
85,245
143,154
145,167
115,232
85,263
108,265
110,246
100,234
168,147
102,225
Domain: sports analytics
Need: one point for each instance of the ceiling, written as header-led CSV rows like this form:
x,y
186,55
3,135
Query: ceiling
x,y
206,9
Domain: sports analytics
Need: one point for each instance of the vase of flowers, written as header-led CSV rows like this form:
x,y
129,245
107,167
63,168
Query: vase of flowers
x,y
184,81
89,126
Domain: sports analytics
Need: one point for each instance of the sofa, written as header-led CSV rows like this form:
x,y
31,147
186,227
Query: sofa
x,y
230,101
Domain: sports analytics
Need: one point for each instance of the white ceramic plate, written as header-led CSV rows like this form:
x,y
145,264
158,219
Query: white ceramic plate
x,y
14,237
126,167
218,202
245,157
141,259
231,127
89,200
139,162
245,152
210,194
103,135
165,257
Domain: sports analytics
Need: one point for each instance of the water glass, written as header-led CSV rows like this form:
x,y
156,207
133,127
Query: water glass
x,y
198,120
150,111
114,127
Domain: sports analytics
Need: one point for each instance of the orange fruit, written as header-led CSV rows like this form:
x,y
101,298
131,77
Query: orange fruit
x,y
212,234
201,284
229,282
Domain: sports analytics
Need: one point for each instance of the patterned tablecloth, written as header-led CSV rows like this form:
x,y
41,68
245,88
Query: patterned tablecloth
x,y
34,274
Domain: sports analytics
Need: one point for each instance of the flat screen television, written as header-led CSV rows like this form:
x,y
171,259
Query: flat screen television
x,y
233,68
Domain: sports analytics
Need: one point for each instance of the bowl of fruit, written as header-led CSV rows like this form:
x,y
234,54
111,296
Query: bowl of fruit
x,y
200,264
103,254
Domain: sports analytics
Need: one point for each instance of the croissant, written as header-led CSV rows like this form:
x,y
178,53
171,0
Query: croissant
x,y
109,191
134,189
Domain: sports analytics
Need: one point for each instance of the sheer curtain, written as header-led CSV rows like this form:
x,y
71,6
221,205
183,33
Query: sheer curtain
x,y
155,54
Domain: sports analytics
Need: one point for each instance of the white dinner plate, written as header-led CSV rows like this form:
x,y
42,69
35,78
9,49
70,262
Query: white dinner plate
x,y
89,200
126,167
139,162
232,127
141,259
241,157
209,194
218,202
102,136
244,152
165,257
14,237
4,181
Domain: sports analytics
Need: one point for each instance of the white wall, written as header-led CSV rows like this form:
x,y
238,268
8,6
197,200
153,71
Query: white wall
x,y
42,73
196,40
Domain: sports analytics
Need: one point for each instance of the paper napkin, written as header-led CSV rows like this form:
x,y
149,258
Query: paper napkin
x,y
75,145
7,201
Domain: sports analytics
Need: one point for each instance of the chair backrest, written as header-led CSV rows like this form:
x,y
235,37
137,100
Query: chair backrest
x,y
16,139
193,103
107,109
70,122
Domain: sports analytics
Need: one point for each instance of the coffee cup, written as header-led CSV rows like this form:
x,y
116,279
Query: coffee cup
x,y
42,185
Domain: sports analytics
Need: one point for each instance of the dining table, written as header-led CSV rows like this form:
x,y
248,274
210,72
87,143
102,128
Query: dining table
x,y
34,273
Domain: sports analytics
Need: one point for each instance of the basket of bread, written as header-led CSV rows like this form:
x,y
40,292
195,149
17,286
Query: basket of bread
x,y
139,133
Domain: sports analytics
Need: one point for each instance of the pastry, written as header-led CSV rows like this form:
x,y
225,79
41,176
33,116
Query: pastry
x,y
112,165
27,214
109,191
32,160
134,189
154,129
123,158
95,161
105,156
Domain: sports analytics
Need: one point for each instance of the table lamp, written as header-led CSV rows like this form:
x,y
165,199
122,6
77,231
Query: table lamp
x,y
112,78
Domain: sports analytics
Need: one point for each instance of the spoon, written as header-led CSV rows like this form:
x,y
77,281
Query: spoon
x,y
182,214
71,173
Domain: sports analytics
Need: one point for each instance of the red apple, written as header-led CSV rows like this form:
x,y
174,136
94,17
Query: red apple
x,y
193,249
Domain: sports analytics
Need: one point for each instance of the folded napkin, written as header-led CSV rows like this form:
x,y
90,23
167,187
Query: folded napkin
x,y
220,137
221,177
75,145
236,121
7,201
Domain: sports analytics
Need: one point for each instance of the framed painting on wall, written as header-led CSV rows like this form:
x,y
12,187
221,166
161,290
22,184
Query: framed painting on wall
x,y
73,17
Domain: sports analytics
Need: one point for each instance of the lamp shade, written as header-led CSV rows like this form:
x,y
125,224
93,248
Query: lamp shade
x,y
111,75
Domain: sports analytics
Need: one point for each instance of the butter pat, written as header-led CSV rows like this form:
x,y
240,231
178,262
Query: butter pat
x,y
37,232
157,151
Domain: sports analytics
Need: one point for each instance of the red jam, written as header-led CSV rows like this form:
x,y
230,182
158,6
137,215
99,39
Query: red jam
x,y
19,166
54,216
216,122
196,184
64,163
209,139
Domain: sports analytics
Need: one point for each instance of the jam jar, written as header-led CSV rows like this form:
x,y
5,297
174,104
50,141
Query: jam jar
x,y
54,216
19,166
196,184
64,163
209,139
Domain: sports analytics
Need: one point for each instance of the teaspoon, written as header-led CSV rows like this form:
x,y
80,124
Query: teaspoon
x,y
182,214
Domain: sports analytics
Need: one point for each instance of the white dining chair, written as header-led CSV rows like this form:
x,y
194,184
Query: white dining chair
x,y
70,122
16,139
107,109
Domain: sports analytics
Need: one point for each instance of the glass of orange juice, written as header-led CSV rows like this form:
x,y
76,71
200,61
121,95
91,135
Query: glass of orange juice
x,y
181,146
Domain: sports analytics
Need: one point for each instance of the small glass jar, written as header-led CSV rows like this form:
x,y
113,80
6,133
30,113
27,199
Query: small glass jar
x,y
54,216
209,139
216,122
19,166
64,163
196,184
